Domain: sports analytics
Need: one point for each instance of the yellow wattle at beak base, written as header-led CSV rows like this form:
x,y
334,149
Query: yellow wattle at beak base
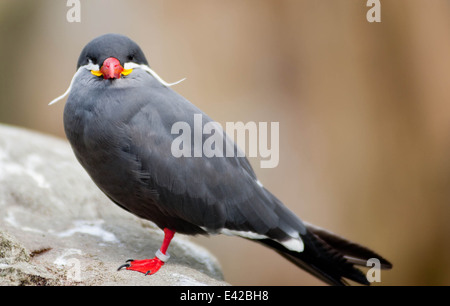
x,y
126,71
99,73
96,72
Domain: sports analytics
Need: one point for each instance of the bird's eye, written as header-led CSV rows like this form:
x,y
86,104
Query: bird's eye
x,y
91,60
130,57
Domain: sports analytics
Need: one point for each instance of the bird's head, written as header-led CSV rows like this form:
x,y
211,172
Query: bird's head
x,y
112,56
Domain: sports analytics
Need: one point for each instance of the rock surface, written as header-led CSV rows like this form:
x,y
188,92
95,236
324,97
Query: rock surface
x,y
58,228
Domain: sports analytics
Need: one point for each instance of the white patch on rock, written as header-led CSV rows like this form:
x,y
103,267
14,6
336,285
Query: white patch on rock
x,y
11,219
9,167
183,280
62,261
32,162
91,228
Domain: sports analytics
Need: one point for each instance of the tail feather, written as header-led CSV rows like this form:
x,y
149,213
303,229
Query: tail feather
x,y
353,252
329,257
307,263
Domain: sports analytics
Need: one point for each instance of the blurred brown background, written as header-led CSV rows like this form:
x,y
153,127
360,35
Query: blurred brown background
x,y
364,108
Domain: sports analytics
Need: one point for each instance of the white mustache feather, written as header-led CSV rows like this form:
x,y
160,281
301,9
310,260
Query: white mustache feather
x,y
153,73
90,66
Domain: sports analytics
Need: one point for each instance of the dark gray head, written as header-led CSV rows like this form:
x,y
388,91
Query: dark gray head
x,y
110,57
111,45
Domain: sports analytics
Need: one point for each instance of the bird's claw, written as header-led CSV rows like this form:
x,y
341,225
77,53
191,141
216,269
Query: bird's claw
x,y
126,265
145,266
123,266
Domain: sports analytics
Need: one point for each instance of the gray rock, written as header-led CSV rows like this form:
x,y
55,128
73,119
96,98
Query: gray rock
x,y
58,228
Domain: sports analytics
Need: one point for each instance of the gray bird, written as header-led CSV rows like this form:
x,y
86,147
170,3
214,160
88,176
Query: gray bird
x,y
118,119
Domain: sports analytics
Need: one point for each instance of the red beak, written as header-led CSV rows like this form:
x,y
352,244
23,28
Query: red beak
x,y
111,68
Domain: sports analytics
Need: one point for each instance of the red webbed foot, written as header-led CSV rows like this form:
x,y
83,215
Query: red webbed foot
x,y
146,266
151,266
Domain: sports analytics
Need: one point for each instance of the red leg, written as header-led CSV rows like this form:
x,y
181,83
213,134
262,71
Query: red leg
x,y
168,235
151,266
